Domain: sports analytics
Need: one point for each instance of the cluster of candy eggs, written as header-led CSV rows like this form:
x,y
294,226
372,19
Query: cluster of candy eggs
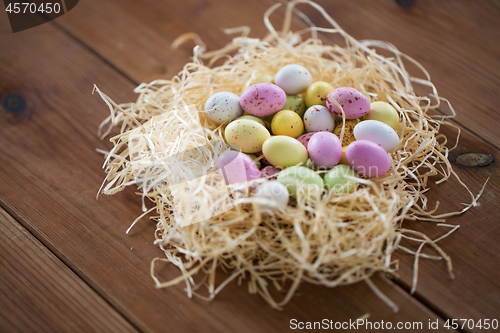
x,y
292,123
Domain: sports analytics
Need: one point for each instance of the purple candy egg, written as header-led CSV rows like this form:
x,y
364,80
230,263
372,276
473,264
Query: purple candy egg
x,y
270,172
237,167
263,99
368,158
354,102
304,138
325,149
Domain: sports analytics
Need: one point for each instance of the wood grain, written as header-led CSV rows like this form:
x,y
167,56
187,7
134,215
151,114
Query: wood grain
x,y
40,294
50,173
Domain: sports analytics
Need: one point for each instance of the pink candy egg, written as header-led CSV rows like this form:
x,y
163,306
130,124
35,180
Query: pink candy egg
x,y
304,138
263,99
325,149
368,158
237,167
354,102
270,172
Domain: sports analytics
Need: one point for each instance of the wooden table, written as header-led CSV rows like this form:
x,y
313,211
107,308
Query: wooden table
x,y
66,264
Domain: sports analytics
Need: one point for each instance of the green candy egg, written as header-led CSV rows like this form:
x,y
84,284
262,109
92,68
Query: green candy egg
x,y
337,182
300,180
254,118
284,151
296,104
383,112
254,158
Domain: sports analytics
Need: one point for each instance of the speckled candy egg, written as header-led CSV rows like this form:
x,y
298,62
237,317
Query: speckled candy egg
x,y
284,151
263,99
254,118
223,106
378,132
287,122
368,158
296,104
260,77
324,149
383,112
316,93
354,102
254,158
247,135
304,138
269,172
300,180
338,179
318,118
293,78
271,196
348,131
236,167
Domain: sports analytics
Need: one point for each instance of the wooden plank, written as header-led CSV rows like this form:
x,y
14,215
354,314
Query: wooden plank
x,y
457,41
39,293
50,173
473,248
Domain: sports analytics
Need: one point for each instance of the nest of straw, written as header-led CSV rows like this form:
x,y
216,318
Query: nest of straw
x,y
331,240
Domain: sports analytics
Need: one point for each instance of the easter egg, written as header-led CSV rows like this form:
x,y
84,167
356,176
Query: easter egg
x,y
263,99
318,118
269,172
354,103
383,112
261,77
316,93
304,138
343,159
254,158
223,106
300,180
271,195
368,158
348,131
263,160
293,78
337,182
284,151
324,149
247,135
287,122
378,132
236,167
296,104
254,118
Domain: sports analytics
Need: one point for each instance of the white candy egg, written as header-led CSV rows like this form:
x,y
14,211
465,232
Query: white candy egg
x,y
377,132
271,195
293,79
223,106
318,118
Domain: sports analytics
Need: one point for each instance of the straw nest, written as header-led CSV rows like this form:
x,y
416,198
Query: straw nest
x,y
331,240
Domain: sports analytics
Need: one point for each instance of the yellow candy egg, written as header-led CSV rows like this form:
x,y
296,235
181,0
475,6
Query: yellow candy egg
x,y
247,135
287,122
284,151
383,112
316,93
260,78
348,132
